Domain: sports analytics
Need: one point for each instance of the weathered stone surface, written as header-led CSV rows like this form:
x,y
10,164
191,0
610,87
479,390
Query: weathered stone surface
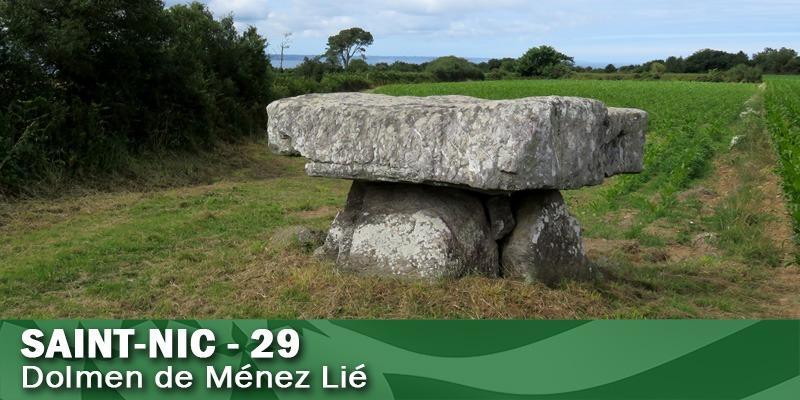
x,y
546,243
506,145
501,217
412,230
624,143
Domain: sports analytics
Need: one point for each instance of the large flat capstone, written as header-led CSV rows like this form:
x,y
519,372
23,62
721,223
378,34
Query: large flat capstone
x,y
497,146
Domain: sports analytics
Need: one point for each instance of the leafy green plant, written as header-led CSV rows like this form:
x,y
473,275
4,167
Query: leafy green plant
x,y
86,83
543,61
783,121
453,69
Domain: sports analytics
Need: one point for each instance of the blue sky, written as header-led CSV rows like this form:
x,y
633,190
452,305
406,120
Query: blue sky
x,y
624,31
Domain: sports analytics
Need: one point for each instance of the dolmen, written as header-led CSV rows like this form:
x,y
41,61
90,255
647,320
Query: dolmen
x,y
448,186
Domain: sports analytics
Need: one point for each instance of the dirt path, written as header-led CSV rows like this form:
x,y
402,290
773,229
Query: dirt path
x,y
739,205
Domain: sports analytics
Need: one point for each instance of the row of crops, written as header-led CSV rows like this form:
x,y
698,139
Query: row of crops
x,y
689,121
783,119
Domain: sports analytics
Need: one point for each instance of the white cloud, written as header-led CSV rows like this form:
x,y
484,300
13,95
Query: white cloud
x,y
449,6
243,10
492,28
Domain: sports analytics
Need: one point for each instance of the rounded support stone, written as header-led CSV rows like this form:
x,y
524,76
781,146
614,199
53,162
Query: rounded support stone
x,y
545,244
412,230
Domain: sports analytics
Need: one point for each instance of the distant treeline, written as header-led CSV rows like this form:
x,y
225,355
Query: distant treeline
x,y
770,61
83,84
325,74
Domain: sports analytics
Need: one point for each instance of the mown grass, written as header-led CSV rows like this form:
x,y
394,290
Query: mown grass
x,y
669,243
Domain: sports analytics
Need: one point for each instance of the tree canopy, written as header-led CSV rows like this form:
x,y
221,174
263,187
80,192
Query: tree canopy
x,y
708,59
776,61
83,83
542,61
453,69
346,44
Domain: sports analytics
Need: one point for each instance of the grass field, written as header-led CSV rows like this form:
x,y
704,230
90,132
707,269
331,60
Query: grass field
x,y
701,233
783,120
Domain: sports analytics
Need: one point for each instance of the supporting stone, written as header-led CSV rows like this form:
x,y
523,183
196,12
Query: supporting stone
x,y
412,230
546,243
501,216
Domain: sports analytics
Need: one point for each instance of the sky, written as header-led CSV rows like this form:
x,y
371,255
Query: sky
x,y
621,32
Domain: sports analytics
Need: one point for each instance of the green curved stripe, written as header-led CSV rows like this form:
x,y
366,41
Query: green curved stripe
x,y
786,390
747,362
457,338
573,360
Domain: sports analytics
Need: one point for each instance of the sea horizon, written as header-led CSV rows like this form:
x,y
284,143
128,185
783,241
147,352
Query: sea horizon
x,y
293,60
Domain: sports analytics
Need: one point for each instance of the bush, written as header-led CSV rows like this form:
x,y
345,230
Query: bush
x,y
557,71
402,66
358,65
344,83
84,83
379,78
739,73
501,74
453,69
713,75
657,69
288,85
543,61
314,68
743,73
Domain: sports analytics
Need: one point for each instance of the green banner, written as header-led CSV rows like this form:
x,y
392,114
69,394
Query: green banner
x,y
250,359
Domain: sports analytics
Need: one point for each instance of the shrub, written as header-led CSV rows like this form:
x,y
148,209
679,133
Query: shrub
x,y
379,78
288,85
402,66
657,69
84,83
358,65
500,74
557,71
713,75
453,69
344,83
314,68
739,73
542,61
743,73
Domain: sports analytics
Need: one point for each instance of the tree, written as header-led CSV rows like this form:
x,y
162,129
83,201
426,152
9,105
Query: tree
x,y
610,68
657,69
675,64
83,83
343,46
506,64
792,67
453,69
708,59
358,65
285,43
314,68
538,60
743,73
776,61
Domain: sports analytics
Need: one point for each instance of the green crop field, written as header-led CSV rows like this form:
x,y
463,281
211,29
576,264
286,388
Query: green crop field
x,y
701,233
689,122
783,120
